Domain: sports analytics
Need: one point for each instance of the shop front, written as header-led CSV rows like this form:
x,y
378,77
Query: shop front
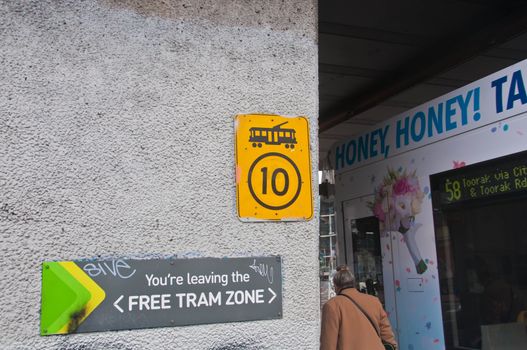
x,y
430,212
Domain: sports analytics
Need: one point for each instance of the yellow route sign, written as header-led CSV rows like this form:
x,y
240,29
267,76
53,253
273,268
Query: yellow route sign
x,y
273,168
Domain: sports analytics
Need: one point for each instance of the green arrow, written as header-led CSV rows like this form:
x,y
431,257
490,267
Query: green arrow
x,y
64,300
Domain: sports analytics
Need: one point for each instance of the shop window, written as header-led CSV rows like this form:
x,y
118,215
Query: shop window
x,y
367,262
327,250
481,241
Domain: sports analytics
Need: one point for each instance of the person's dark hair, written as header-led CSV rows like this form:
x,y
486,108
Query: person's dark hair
x,y
343,278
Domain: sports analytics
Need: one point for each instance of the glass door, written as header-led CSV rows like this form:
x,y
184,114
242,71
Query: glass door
x,y
367,263
327,250
480,218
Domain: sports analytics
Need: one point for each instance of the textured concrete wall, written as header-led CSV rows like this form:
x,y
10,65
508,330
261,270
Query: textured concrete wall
x,y
116,129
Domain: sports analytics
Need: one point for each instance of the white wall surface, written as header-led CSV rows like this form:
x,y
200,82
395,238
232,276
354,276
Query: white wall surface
x,y
116,129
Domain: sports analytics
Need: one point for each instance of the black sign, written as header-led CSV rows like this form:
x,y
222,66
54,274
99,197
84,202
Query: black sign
x,y
483,180
161,293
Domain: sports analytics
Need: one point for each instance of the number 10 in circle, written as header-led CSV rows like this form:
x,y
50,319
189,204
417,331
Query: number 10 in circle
x,y
276,172
274,181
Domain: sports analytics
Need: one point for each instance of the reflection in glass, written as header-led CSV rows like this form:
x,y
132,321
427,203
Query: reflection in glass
x,y
327,249
367,264
482,261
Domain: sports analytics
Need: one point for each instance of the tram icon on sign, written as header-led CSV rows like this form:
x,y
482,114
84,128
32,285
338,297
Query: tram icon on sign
x,y
273,136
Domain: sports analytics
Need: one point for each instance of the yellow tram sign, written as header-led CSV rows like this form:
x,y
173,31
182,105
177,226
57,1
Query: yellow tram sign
x,y
273,168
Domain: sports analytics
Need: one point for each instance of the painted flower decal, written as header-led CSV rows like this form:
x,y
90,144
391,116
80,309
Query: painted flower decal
x,y
397,200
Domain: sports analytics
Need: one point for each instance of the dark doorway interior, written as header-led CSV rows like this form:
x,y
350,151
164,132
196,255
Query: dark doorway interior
x,y
367,263
482,260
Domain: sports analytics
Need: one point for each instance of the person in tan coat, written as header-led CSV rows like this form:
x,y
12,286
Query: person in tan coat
x,y
344,326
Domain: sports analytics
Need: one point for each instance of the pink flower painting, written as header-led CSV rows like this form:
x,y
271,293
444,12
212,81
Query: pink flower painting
x,y
398,199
